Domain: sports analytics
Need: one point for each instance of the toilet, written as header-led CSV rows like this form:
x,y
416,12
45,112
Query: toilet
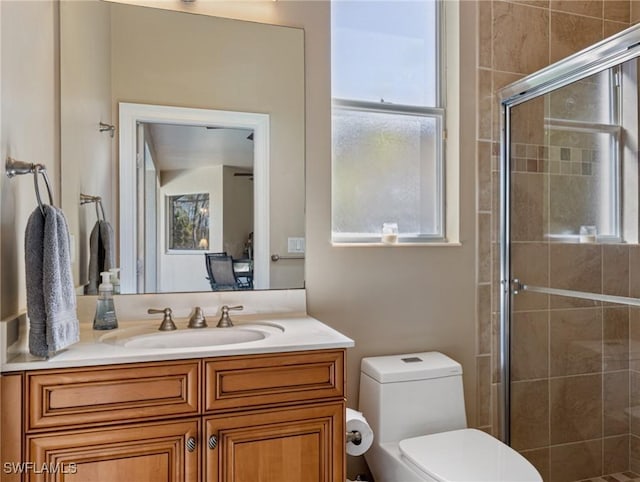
x,y
415,406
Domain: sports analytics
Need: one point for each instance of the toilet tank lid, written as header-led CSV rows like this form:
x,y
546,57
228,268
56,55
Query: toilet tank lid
x,y
412,366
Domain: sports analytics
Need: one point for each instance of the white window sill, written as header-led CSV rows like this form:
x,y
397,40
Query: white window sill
x,y
435,244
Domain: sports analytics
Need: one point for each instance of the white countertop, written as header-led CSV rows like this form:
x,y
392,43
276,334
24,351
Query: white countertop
x,y
297,332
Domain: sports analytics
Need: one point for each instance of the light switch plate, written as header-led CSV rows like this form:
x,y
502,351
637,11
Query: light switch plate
x,y
295,245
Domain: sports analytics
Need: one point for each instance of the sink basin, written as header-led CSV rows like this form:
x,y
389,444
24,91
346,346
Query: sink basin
x,y
147,337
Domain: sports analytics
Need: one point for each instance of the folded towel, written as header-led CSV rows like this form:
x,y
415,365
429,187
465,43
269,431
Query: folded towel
x,y
51,299
101,254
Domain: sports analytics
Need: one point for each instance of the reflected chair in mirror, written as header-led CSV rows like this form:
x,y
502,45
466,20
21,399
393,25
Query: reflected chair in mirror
x,y
220,270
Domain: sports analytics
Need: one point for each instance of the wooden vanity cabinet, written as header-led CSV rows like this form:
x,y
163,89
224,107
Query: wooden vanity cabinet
x,y
249,418
279,445
153,452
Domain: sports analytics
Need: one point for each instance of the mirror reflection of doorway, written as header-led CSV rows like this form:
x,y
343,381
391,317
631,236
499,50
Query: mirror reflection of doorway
x,y
193,181
197,198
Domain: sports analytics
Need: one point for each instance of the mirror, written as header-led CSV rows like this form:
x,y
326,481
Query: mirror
x,y
112,55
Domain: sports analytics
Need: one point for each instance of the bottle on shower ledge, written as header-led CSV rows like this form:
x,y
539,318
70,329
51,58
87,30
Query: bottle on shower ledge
x,y
105,318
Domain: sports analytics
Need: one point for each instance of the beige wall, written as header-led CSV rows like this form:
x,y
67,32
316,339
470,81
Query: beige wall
x,y
186,271
85,100
29,117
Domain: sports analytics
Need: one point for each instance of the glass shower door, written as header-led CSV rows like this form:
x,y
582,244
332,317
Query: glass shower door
x,y
571,255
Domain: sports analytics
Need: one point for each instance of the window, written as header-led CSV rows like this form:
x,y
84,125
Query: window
x,y
388,120
188,223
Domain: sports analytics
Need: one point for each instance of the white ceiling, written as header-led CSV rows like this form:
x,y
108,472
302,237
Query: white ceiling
x,y
189,147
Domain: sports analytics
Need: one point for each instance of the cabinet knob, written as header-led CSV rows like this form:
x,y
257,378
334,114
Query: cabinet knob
x,y
213,442
191,444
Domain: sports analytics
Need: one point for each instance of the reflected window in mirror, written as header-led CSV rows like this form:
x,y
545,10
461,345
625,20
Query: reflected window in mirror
x,y
388,121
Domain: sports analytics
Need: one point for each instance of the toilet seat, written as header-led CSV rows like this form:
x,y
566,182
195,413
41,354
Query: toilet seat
x,y
467,455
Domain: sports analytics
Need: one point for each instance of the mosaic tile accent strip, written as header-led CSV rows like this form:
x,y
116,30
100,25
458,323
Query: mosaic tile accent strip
x,y
620,477
554,159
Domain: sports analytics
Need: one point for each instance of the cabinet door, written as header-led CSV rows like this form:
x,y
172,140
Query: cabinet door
x,y
154,452
283,445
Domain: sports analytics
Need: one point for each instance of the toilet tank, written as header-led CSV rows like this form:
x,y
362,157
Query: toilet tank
x,y
405,396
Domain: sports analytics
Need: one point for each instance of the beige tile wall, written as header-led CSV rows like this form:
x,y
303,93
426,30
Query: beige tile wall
x,y
572,377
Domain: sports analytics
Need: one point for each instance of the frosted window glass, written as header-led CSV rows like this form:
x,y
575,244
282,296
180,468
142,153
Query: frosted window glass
x,y
385,50
385,169
588,100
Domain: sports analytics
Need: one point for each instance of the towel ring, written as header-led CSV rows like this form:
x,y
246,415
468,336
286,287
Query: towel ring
x,y
40,169
14,167
97,200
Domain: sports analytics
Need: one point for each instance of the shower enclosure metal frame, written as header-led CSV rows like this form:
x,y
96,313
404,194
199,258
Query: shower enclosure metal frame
x,y
601,56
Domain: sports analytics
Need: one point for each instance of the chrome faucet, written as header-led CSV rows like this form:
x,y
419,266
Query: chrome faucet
x,y
197,320
225,321
167,322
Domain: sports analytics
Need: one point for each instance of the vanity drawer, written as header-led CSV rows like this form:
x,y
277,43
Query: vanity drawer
x,y
234,382
109,395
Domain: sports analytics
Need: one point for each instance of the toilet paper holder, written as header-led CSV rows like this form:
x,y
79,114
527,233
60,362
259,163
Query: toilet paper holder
x,y
355,437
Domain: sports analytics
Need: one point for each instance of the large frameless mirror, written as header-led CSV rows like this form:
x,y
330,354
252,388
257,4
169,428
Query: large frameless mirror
x,y
113,56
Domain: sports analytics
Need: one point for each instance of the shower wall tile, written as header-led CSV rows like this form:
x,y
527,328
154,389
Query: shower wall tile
x,y
590,8
575,267
527,222
617,10
484,320
615,457
634,403
485,23
576,408
527,127
534,3
530,345
484,248
611,28
483,395
575,461
635,11
615,269
530,264
615,338
484,176
634,453
540,460
576,341
495,323
616,403
634,338
485,101
530,414
520,38
634,271
571,33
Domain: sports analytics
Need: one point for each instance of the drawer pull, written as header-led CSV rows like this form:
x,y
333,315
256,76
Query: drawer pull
x,y
191,444
213,442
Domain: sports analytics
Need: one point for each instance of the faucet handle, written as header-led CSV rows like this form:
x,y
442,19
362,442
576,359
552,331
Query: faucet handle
x,y
225,321
167,322
197,320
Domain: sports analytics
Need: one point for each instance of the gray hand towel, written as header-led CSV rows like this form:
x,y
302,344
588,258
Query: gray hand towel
x,y
101,254
51,299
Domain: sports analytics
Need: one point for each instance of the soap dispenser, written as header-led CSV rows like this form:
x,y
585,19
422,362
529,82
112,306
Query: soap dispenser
x,y
105,318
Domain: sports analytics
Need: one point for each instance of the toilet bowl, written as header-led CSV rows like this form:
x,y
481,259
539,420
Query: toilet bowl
x,y
415,406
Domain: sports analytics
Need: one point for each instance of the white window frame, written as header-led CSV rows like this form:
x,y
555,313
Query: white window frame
x,y
448,46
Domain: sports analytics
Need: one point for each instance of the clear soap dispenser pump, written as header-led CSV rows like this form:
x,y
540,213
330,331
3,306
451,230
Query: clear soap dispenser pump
x,y
105,318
